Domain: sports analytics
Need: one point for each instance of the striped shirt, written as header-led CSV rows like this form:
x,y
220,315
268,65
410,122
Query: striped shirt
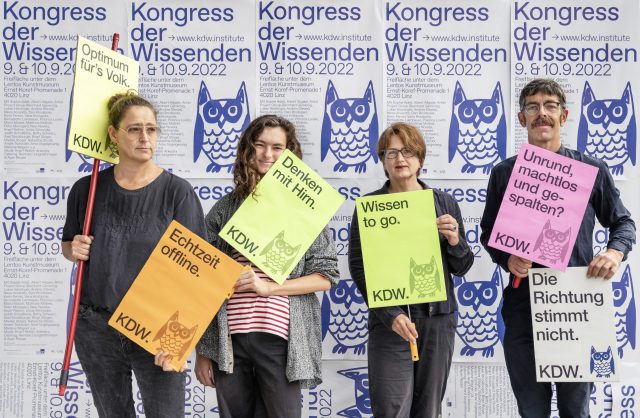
x,y
249,312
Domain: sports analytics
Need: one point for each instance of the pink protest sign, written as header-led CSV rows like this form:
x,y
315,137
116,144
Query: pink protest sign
x,y
543,206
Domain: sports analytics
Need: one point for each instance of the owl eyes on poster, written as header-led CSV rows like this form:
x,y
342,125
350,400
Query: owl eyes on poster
x,y
607,128
219,125
362,407
478,130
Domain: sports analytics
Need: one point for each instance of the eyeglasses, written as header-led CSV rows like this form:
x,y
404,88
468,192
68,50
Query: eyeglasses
x,y
551,108
392,153
135,131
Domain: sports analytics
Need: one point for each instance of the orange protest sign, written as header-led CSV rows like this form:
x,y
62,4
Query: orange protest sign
x,y
176,295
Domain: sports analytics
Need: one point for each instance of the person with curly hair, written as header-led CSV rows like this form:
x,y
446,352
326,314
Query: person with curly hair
x,y
264,344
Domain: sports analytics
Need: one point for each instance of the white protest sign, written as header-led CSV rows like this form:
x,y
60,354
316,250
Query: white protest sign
x,y
573,326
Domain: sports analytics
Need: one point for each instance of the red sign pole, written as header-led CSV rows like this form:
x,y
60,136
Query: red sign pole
x,y
516,282
64,373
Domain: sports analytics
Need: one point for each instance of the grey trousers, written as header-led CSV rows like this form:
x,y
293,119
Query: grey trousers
x,y
108,358
258,386
401,388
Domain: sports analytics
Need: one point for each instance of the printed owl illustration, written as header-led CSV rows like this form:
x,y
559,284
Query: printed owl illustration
x,y
424,278
607,129
86,164
279,254
553,244
219,124
345,317
478,130
175,337
602,363
362,407
624,303
350,129
480,324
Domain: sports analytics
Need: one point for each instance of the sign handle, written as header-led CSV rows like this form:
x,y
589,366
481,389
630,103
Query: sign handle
x,y
413,345
516,282
86,228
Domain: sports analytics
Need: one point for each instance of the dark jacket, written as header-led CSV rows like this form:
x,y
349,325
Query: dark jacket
x,y
604,204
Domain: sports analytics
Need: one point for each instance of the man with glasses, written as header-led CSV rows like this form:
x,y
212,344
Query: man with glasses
x,y
543,112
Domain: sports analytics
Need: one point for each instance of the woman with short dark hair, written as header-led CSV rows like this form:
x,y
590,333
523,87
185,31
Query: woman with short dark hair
x,y
399,387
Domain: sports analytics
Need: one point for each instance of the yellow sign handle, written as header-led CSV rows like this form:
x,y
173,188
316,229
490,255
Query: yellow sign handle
x,y
414,350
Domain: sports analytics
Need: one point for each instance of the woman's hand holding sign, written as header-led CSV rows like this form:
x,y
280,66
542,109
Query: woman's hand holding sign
x,y
163,359
248,281
78,249
403,326
448,226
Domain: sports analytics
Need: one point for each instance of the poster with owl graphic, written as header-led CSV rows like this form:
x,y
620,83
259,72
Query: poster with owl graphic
x,y
276,224
597,71
574,331
100,73
452,83
400,248
219,124
607,129
198,68
319,65
548,192
176,294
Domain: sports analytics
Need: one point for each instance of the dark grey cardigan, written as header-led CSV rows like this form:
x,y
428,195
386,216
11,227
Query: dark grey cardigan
x,y
305,343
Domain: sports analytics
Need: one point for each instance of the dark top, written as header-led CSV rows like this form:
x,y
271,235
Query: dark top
x,y
604,203
126,226
455,260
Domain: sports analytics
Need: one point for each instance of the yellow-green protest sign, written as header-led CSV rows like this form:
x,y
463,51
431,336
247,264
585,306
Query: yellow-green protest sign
x,y
275,228
100,73
400,248
176,295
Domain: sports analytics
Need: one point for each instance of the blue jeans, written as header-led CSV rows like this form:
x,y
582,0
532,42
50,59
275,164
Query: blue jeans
x,y
108,358
533,398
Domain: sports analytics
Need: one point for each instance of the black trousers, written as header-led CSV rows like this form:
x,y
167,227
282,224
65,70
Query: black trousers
x,y
534,399
401,388
258,386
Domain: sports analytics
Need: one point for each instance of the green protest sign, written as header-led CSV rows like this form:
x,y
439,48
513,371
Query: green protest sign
x,y
99,74
400,248
275,228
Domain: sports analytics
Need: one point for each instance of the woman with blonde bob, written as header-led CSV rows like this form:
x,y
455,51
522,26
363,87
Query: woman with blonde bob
x,y
399,387
135,202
